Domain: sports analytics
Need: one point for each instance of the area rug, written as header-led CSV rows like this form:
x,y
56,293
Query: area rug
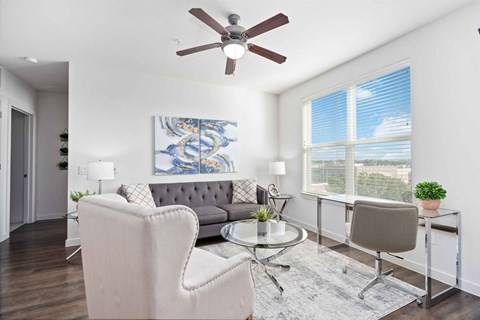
x,y
316,288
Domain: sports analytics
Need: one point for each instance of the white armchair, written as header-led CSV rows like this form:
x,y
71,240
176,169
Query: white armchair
x,y
141,263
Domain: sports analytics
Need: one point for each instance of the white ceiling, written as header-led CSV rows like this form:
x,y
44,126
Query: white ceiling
x,y
140,35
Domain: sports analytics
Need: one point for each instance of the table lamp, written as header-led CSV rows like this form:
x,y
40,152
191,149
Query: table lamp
x,y
100,171
277,168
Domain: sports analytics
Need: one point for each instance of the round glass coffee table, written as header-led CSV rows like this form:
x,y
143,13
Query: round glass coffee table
x,y
244,233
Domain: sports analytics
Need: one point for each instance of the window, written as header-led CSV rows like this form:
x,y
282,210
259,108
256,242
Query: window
x,y
356,139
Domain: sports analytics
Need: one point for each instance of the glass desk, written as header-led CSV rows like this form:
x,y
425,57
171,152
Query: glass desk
x,y
244,233
430,219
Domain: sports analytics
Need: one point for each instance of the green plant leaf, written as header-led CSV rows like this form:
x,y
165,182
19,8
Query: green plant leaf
x,y
429,190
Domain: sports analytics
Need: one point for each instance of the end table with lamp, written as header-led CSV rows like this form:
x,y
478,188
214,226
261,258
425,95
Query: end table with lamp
x,y
273,198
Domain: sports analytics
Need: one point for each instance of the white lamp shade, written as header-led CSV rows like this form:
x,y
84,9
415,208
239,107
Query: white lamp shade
x,y
277,168
100,170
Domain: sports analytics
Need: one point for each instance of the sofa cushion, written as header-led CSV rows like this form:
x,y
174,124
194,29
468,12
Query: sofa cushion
x,y
240,211
210,214
244,191
139,194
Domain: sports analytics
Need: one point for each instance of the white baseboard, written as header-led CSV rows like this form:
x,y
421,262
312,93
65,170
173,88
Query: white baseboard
x,y
50,216
72,242
302,224
465,285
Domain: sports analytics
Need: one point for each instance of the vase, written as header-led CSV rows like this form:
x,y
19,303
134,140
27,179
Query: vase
x,y
277,226
262,228
430,204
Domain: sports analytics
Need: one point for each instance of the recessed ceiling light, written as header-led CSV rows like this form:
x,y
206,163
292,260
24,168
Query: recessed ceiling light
x,y
31,60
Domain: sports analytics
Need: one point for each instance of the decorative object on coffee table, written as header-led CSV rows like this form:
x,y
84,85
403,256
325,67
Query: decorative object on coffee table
x,y
430,194
262,215
100,170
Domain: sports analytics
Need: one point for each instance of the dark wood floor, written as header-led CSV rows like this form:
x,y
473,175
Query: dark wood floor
x,y
37,283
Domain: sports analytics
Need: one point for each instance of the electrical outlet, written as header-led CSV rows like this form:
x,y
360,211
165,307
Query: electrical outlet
x,y
82,170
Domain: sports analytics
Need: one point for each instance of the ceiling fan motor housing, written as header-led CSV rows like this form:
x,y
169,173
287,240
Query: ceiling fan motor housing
x,y
236,31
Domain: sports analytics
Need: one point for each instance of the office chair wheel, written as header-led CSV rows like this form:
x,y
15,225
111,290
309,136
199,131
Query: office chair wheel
x,y
344,269
360,295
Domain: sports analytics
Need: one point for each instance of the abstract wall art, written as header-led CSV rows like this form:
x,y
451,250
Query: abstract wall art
x,y
190,146
177,143
218,146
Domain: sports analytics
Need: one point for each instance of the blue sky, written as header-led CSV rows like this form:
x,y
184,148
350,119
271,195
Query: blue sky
x,y
382,110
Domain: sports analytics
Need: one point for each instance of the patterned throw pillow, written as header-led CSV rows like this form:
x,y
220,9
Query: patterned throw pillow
x,y
244,191
139,194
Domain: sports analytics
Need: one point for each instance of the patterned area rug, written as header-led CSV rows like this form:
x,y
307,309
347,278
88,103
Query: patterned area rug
x,y
316,288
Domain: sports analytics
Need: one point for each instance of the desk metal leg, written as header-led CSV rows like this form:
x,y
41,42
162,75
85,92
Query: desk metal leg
x,y
319,221
433,299
347,219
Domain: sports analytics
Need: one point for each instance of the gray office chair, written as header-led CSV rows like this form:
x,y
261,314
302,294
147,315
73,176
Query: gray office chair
x,y
383,227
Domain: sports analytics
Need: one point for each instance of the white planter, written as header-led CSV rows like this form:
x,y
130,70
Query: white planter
x,y
262,228
277,226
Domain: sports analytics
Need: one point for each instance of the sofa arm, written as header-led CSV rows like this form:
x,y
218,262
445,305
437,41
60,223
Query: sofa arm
x,y
262,195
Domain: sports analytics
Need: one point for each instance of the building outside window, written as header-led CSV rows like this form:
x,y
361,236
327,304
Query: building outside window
x,y
357,137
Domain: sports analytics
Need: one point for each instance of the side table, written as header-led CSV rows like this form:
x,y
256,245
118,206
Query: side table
x,y
74,216
280,197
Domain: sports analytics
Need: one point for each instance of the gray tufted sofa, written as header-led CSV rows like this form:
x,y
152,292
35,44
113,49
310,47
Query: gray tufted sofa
x,y
211,201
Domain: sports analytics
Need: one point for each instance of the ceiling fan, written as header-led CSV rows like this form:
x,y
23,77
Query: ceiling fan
x,y
234,38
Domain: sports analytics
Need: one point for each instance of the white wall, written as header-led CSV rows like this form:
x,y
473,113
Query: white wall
x,y
111,118
13,92
445,74
51,183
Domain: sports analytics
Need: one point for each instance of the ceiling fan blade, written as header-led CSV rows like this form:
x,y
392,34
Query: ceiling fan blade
x,y
267,25
199,48
230,68
278,58
209,21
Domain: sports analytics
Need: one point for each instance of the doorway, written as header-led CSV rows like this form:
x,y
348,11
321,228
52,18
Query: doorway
x,y
19,160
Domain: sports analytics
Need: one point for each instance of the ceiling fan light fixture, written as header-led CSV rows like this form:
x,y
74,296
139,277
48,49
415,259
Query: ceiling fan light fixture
x,y
234,49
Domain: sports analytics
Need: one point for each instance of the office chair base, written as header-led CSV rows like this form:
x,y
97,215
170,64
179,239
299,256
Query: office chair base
x,y
381,277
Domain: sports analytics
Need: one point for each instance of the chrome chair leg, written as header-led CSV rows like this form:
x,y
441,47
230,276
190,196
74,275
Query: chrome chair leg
x,y
368,286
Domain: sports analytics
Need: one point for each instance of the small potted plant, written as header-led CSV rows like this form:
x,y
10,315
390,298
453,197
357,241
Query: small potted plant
x,y
262,215
430,194
62,165
77,195
64,136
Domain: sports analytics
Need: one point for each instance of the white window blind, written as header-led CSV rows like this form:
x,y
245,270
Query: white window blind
x,y
356,140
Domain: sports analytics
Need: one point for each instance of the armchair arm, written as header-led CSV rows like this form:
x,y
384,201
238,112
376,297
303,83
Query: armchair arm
x,y
224,291
230,267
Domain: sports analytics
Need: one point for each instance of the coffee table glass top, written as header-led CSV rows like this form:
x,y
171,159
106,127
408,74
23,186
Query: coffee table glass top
x,y
245,233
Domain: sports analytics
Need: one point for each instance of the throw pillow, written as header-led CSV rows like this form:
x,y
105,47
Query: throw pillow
x,y
139,194
244,191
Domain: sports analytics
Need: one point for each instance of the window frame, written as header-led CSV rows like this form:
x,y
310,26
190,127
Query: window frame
x,y
351,141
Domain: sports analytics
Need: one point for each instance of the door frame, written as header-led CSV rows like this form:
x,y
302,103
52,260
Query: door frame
x,y
6,107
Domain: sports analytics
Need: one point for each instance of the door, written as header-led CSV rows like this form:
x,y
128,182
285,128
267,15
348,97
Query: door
x,y
18,169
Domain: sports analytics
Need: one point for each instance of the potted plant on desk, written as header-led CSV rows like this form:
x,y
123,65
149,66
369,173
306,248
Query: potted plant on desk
x,y
430,194
262,215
